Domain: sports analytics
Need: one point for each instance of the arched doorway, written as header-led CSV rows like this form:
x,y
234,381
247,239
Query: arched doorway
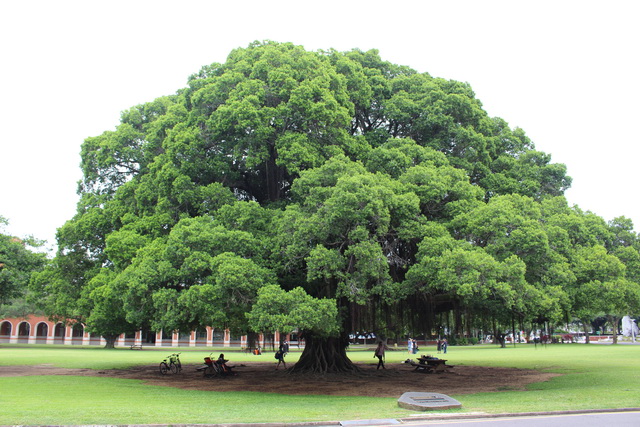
x,y
77,332
42,331
201,337
148,337
24,329
184,338
167,338
58,333
5,331
218,337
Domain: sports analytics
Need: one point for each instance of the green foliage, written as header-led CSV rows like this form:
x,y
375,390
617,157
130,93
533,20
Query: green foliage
x,y
279,310
201,274
18,261
19,308
104,305
328,178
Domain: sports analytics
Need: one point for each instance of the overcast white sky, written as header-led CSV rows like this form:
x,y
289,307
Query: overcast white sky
x,y
567,72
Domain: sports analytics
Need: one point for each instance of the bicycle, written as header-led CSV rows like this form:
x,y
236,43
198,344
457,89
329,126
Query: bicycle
x,y
171,363
214,368
210,367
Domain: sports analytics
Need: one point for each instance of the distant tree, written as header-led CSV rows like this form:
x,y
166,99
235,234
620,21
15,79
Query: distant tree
x,y
624,298
18,261
599,286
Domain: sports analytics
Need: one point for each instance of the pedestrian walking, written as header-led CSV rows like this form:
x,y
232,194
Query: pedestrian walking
x,y
280,358
379,353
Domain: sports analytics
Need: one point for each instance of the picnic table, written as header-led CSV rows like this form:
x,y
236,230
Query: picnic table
x,y
430,364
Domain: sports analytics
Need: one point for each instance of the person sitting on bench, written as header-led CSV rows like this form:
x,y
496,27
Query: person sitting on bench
x,y
222,362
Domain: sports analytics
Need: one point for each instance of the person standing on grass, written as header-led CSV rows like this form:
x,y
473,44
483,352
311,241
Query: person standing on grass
x,y
444,346
379,353
410,345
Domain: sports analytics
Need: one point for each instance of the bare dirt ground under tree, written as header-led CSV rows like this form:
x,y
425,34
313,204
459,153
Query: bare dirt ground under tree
x,y
262,377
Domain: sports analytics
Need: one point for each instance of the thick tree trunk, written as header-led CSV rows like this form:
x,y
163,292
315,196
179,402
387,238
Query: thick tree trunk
x,y
252,339
502,339
585,328
273,175
458,320
615,322
499,336
111,340
324,355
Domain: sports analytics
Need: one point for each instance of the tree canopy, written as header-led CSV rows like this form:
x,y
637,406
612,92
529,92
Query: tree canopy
x,y
329,192
18,261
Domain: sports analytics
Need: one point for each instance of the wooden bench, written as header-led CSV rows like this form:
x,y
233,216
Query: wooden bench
x,y
136,347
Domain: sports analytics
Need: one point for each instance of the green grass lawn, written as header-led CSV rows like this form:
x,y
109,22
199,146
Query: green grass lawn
x,y
595,376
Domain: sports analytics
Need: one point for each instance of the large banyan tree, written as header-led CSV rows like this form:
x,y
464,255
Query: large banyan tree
x,y
328,192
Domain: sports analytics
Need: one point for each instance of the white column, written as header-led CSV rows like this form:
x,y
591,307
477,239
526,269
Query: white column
x,y
51,330
68,335
13,337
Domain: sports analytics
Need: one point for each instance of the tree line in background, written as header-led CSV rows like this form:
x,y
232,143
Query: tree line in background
x,y
19,259
329,192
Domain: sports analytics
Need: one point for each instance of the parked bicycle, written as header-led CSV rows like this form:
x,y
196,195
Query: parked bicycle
x,y
171,363
212,368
